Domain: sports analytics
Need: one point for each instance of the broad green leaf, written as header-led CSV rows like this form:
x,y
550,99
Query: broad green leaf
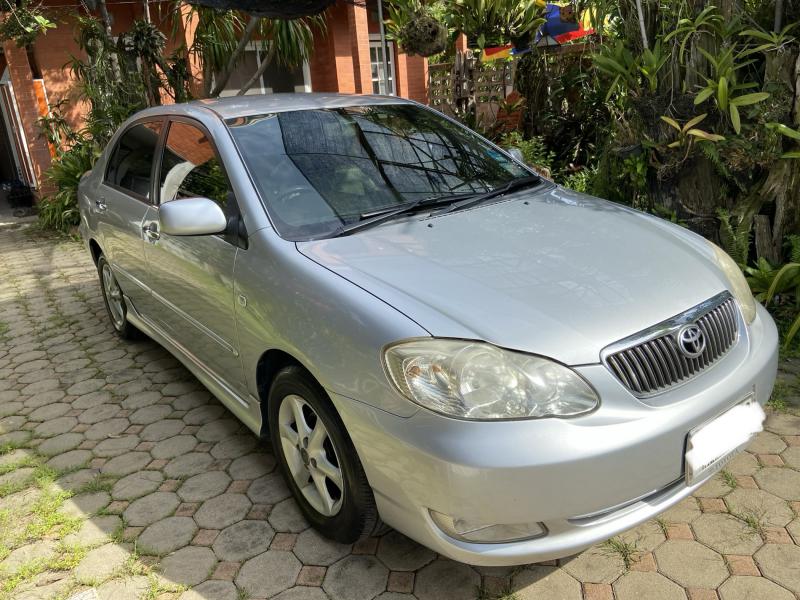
x,y
676,144
736,119
692,122
792,154
749,99
711,137
671,122
785,130
791,268
722,93
755,50
754,33
708,56
704,95
792,332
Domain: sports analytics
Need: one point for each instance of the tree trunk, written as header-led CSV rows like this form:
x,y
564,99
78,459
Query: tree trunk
x,y
261,68
642,24
115,70
247,34
782,184
778,24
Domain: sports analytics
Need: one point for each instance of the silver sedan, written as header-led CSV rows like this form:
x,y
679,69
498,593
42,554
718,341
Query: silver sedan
x,y
430,335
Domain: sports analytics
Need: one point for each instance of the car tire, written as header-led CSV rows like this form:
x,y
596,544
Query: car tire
x,y
348,513
114,301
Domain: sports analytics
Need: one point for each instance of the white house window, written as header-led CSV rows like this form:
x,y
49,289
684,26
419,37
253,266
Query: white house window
x,y
376,64
276,78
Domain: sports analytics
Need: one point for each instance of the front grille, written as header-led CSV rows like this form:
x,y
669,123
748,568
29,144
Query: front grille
x,y
652,361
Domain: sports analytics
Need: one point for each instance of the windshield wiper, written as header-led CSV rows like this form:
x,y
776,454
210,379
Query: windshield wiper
x,y
379,216
511,186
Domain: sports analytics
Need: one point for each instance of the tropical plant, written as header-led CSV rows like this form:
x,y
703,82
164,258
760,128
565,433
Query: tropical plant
x,y
627,68
23,22
760,278
787,278
496,21
689,132
418,26
534,150
772,41
287,43
787,131
734,235
59,211
707,22
724,87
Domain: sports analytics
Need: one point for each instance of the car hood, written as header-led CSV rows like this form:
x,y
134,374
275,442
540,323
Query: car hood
x,y
547,271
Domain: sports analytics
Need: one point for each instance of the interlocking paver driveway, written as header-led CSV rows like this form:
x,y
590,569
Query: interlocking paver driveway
x,y
121,476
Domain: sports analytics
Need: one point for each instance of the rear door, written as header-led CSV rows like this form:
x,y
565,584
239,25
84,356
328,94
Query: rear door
x,y
191,277
122,201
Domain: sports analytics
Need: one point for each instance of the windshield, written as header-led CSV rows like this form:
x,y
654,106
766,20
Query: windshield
x,y
318,170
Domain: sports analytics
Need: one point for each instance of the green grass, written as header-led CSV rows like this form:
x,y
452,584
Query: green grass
x,y
27,461
729,479
101,483
507,593
41,476
47,520
627,551
66,559
9,447
242,594
780,392
754,519
3,330
663,525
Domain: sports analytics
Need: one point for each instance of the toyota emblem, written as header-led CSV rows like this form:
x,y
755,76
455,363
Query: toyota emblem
x,y
691,341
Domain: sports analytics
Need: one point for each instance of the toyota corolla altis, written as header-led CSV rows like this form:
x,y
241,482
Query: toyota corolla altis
x,y
431,336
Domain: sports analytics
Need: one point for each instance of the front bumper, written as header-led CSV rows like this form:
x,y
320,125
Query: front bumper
x,y
586,478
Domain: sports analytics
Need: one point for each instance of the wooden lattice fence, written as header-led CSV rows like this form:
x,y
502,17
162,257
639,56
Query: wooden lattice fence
x,y
466,85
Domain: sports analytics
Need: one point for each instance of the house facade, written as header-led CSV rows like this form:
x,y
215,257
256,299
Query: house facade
x,y
347,58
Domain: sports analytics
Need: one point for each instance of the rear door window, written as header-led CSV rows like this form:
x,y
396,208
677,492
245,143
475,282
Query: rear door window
x,y
131,164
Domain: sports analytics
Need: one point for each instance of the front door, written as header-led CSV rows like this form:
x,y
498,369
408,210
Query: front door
x,y
191,277
123,199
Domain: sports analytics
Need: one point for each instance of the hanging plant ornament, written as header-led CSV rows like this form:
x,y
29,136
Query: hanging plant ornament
x,y
423,35
271,9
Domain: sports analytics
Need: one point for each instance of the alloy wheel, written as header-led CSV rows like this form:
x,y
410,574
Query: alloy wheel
x,y
116,304
311,455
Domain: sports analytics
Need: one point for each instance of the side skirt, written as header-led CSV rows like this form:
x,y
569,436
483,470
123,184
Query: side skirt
x,y
247,410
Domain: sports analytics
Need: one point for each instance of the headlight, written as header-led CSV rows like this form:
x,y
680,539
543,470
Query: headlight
x,y
473,380
739,287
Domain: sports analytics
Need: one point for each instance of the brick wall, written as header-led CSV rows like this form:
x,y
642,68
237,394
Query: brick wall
x,y
359,47
27,106
412,77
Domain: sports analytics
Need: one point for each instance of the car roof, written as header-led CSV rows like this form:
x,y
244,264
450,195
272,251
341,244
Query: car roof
x,y
245,106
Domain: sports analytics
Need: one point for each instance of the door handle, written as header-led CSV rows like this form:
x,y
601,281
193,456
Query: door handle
x,y
100,204
151,232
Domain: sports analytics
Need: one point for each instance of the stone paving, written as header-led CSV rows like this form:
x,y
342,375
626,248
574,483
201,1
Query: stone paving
x,y
122,478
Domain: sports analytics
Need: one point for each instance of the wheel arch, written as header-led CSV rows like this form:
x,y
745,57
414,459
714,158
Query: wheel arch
x,y
95,250
269,365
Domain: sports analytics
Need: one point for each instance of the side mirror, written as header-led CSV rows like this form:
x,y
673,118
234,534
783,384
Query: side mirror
x,y
192,216
516,154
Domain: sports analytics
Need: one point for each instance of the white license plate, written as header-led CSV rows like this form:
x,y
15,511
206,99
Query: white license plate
x,y
712,445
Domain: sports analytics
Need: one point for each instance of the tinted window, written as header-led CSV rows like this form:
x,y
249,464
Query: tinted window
x,y
319,169
190,167
132,159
